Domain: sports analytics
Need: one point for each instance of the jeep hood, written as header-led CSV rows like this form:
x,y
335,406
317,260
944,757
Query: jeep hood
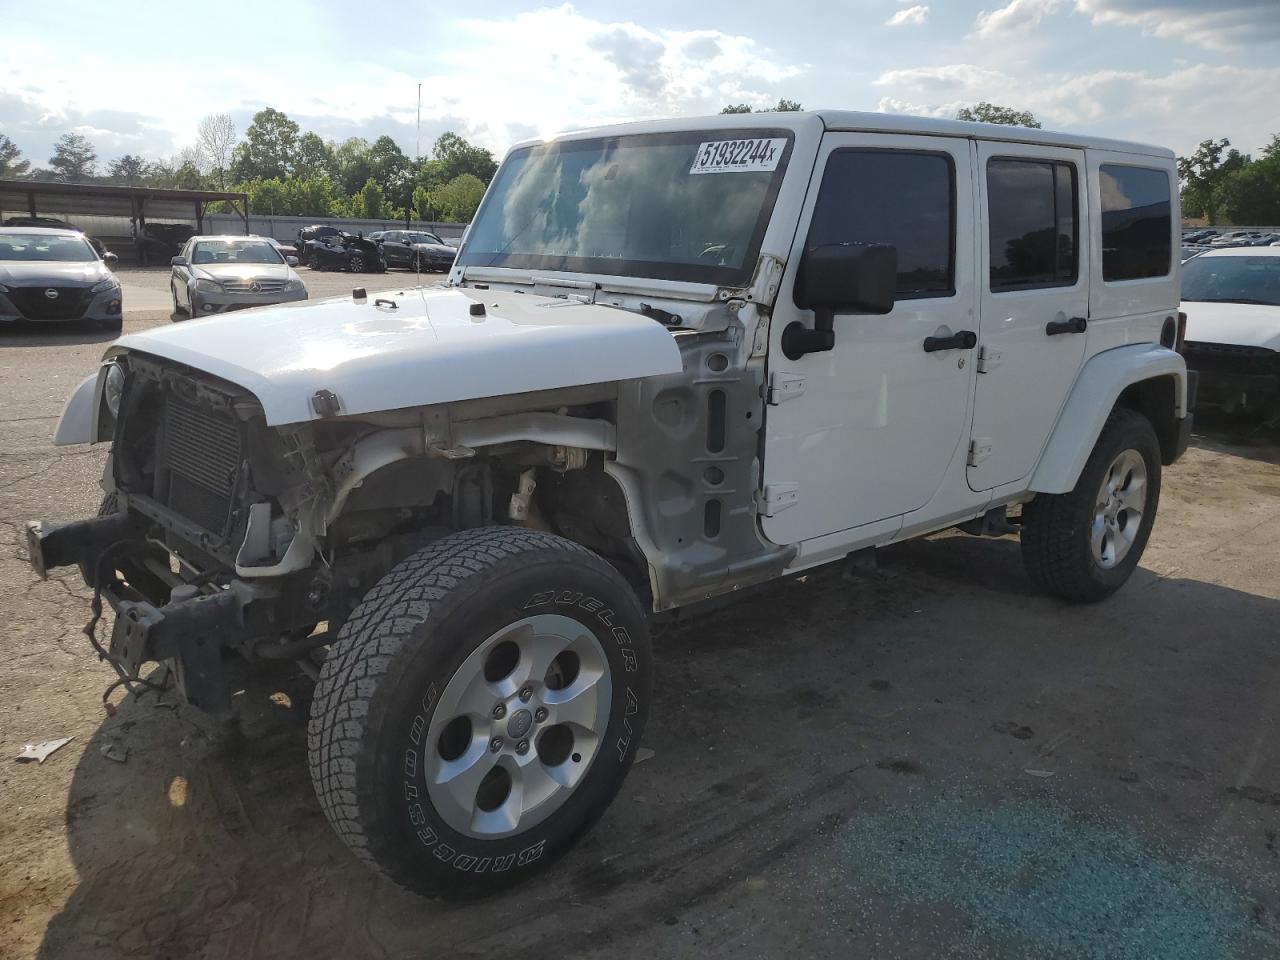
x,y
428,348
1238,324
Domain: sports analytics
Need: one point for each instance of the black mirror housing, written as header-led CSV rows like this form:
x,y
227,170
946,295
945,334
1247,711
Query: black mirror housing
x,y
840,278
849,278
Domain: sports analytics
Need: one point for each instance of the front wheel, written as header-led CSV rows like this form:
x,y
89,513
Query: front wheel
x,y
1083,545
355,263
480,709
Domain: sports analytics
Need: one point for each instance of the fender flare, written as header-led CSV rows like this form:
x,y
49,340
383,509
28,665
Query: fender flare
x,y
1101,381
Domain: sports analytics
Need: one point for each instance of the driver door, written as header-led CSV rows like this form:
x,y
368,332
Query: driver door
x,y
866,431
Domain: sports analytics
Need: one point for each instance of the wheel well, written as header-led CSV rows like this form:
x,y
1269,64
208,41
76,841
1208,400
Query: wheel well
x,y
1156,399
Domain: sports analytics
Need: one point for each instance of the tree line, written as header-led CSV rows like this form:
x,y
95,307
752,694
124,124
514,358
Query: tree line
x,y
287,171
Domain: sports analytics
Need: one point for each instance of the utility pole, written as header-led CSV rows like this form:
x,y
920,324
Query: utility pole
x,y
417,161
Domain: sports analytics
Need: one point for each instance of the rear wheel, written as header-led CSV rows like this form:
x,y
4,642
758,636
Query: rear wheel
x,y
1083,545
480,709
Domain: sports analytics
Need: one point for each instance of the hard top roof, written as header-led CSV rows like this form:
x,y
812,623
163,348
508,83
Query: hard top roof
x,y
853,120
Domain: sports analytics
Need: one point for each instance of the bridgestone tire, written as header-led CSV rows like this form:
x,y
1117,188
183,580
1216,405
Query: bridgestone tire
x,y
391,665
1056,528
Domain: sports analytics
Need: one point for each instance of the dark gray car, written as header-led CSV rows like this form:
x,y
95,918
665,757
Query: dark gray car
x,y
416,250
49,275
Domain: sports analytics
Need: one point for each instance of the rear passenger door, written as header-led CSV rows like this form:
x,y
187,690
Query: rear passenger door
x,y
866,431
1034,304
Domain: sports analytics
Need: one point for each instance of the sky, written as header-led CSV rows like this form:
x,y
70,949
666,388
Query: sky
x,y
1171,72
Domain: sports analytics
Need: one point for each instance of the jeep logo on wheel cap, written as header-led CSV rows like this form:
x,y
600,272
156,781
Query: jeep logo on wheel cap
x,y
519,724
51,293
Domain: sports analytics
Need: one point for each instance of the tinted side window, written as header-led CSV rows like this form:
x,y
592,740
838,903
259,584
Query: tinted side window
x,y
896,197
1137,230
1033,232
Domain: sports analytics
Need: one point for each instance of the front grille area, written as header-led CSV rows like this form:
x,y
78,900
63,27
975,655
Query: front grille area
x,y
203,455
246,286
35,303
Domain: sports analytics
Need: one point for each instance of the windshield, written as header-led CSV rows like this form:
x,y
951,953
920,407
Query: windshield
x,y
37,246
1232,279
208,252
684,206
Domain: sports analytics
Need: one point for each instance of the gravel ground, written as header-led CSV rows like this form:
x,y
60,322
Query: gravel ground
x,y
925,761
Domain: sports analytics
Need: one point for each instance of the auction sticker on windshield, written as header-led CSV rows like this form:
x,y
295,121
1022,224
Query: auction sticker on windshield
x,y
738,156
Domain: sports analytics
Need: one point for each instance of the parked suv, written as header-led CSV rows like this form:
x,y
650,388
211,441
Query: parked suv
x,y
675,360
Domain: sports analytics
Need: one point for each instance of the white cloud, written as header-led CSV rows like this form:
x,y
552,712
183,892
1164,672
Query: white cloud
x,y
1177,109
1016,17
1219,24
912,16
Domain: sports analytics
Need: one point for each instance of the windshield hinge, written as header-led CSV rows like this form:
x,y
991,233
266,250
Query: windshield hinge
x,y
582,290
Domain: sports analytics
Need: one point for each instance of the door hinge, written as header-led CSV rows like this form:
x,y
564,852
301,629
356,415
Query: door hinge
x,y
776,497
979,450
784,386
988,359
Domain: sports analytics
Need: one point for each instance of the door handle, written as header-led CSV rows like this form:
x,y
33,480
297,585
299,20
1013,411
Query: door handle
x,y
964,340
1074,325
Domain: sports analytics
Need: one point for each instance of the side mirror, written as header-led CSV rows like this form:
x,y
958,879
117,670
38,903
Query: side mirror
x,y
843,278
291,261
178,262
110,259
407,243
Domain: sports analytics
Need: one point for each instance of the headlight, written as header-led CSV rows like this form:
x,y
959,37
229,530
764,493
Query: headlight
x,y
209,286
113,388
106,284
293,285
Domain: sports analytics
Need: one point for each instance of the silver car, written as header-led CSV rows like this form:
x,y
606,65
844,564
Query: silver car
x,y
216,274
49,275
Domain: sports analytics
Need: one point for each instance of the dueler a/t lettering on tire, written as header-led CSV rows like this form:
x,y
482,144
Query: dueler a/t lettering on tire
x,y
480,709
1083,545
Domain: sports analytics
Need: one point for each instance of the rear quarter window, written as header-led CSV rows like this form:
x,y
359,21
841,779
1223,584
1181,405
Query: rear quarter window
x,y
1137,228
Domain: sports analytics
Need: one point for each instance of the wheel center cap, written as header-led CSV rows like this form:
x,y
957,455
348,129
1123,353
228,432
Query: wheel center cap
x,y
519,724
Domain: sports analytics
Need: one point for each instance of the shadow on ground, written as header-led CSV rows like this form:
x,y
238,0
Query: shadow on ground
x,y
791,731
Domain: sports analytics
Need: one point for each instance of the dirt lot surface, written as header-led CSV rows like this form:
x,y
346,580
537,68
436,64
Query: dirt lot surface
x,y
925,761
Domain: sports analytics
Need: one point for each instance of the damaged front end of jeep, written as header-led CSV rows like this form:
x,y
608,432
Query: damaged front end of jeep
x,y
221,533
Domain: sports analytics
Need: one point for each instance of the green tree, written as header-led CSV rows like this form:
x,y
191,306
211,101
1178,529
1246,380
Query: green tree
x,y
1203,175
11,162
74,158
1250,194
370,203
313,157
266,195
459,198
782,106
985,112
129,169
455,157
352,166
309,196
269,148
424,203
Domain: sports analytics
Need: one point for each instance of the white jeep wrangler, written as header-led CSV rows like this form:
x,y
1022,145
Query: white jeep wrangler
x,y
672,360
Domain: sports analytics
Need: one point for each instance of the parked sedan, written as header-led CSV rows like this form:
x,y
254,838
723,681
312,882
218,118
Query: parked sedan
x,y
216,274
55,275
416,250
1232,301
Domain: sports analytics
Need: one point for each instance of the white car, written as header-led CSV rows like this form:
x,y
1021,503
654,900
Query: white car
x,y
216,274
674,360
1232,301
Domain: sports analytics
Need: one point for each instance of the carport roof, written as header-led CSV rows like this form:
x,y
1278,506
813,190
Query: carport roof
x,y
20,197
